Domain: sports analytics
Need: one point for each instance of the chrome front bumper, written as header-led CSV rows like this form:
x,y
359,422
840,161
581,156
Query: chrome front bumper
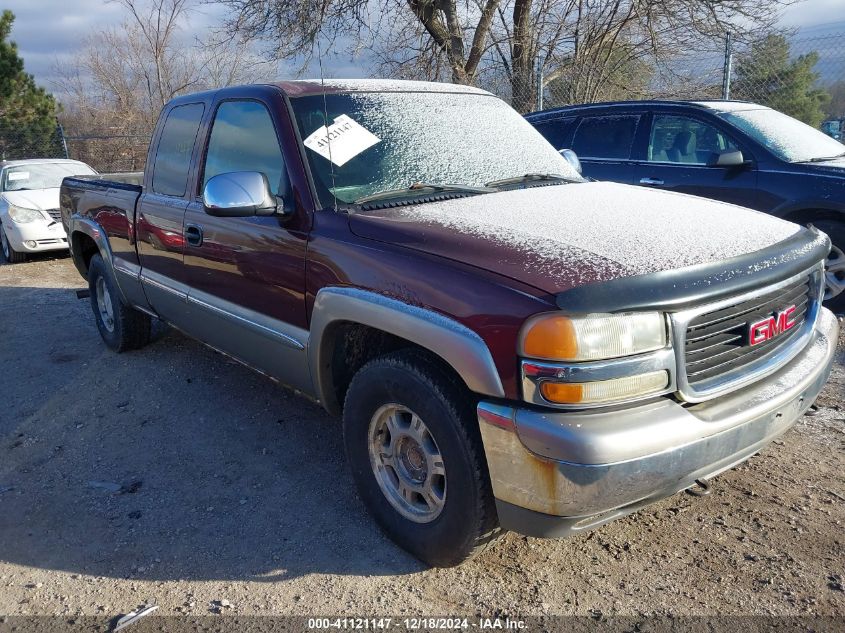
x,y
556,473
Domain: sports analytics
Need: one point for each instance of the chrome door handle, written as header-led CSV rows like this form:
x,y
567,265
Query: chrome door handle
x,y
650,181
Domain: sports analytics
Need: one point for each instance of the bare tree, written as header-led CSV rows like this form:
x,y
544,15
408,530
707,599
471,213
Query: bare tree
x,y
581,42
122,76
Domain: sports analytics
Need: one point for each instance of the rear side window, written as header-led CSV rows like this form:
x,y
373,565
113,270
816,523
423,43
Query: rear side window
x,y
173,156
605,136
243,138
556,131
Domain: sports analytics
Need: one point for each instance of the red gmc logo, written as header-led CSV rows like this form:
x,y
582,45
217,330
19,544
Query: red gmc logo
x,y
771,326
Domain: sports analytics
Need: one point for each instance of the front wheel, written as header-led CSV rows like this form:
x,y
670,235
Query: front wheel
x,y
416,456
9,254
121,326
834,296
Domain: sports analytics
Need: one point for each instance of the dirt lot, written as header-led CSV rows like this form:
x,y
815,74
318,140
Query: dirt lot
x,y
176,476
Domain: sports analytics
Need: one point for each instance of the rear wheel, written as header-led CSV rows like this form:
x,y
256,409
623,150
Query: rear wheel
x,y
834,297
121,326
9,254
415,451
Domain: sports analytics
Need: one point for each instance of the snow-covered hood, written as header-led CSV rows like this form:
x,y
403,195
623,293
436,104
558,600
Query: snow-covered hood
x,y
40,199
560,237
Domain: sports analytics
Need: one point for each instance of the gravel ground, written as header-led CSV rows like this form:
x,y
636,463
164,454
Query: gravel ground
x,y
176,476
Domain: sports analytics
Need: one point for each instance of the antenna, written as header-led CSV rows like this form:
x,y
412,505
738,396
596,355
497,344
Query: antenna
x,y
326,115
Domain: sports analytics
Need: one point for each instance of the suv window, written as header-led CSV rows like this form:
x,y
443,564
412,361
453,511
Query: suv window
x,y
243,138
605,136
173,155
556,131
679,139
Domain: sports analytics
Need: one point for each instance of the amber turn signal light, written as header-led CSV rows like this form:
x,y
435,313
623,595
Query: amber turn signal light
x,y
562,393
605,390
552,337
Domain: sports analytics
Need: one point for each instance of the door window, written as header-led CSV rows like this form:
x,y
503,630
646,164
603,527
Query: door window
x,y
173,156
243,138
677,139
556,131
605,136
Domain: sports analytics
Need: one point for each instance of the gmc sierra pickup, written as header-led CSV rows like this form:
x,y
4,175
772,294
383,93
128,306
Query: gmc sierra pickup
x,y
510,346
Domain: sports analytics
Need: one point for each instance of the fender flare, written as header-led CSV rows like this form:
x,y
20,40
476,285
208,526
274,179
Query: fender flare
x,y
456,344
87,226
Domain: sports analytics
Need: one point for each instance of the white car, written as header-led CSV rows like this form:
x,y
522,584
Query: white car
x,y
30,219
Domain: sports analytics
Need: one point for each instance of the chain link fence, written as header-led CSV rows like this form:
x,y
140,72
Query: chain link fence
x,y
18,142
802,76
107,153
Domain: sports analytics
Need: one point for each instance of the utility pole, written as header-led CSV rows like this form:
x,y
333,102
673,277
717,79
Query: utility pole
x,y
61,132
729,60
539,82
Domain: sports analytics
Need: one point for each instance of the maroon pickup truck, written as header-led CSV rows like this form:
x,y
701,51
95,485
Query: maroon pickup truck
x,y
510,346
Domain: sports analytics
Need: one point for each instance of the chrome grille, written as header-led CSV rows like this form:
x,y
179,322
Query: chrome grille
x,y
717,354
56,214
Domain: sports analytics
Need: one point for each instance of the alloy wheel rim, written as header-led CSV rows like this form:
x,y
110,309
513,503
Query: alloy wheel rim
x,y
834,273
407,463
104,304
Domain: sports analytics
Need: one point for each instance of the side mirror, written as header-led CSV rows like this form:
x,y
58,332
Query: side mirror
x,y
728,158
239,194
571,158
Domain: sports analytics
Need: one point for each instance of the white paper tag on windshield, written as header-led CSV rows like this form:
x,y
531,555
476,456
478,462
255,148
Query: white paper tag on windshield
x,y
18,175
347,137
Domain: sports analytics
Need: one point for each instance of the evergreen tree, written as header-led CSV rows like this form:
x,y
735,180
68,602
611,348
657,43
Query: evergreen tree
x,y
766,75
27,112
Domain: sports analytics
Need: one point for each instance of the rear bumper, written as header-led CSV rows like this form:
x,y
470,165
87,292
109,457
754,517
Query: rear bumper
x,y
557,473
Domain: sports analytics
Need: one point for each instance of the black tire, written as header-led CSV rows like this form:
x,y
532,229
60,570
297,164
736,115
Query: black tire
x,y
128,328
9,254
467,521
836,261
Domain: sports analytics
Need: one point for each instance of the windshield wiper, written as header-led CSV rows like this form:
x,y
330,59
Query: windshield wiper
x,y
421,189
529,178
822,159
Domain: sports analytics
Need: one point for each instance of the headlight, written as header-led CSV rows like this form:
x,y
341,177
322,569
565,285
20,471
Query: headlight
x,y
595,359
22,216
592,336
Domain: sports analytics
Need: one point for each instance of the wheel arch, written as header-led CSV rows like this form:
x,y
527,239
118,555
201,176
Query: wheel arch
x,y
805,211
363,324
87,238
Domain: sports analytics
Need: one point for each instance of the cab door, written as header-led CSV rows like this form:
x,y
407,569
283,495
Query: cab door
x,y
604,144
676,158
161,211
247,274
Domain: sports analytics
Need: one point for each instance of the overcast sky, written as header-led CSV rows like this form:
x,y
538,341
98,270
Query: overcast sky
x,y
48,31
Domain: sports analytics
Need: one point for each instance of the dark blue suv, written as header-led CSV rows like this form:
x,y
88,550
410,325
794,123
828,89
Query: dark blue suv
x,y
733,151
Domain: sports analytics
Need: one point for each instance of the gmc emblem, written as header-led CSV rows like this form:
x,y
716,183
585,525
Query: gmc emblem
x,y
770,327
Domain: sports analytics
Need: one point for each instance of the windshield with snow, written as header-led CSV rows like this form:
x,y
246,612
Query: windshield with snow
x,y
379,143
41,175
789,139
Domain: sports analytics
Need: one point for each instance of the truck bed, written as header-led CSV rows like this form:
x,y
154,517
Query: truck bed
x,y
108,202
